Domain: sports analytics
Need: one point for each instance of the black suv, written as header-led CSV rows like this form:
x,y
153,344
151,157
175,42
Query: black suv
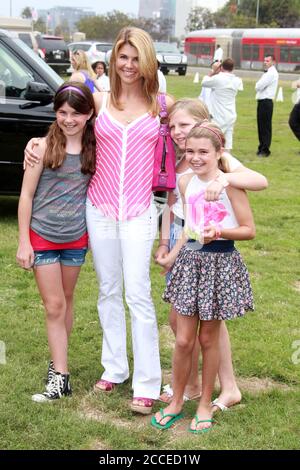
x,y
27,87
56,52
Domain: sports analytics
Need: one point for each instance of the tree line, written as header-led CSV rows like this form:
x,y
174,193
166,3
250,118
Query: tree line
x,y
244,14
106,27
234,14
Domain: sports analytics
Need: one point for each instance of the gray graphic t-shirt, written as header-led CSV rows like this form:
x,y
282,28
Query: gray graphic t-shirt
x,y
58,212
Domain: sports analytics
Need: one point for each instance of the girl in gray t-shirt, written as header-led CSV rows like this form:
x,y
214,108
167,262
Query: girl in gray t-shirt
x,y
52,229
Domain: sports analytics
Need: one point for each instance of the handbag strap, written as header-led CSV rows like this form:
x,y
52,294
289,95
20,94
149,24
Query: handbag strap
x,y
163,113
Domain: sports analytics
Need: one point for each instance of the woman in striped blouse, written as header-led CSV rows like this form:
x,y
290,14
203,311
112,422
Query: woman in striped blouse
x,y
122,218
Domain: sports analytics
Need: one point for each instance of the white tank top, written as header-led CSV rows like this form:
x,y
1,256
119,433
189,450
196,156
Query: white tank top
x,y
195,186
177,208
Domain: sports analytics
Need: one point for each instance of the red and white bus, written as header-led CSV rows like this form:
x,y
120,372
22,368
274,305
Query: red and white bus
x,y
247,47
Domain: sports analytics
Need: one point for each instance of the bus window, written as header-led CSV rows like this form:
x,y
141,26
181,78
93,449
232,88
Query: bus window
x,y
255,52
268,51
246,52
206,50
194,48
295,54
284,54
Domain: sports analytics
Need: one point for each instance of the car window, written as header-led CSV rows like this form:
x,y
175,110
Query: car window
x,y
104,47
82,47
25,37
14,75
42,63
166,47
52,43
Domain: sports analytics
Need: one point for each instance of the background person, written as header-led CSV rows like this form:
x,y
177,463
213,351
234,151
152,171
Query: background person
x,y
162,82
100,69
294,118
224,85
83,71
266,88
218,55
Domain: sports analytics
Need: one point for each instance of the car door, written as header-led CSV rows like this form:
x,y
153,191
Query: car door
x,y
19,119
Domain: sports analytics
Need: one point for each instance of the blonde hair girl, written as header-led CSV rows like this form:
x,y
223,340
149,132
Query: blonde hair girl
x,y
184,114
83,71
209,282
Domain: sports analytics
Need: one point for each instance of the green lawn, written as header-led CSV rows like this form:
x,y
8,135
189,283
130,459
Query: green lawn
x,y
266,358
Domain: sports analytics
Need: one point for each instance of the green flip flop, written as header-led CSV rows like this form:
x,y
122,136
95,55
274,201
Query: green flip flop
x,y
199,431
174,417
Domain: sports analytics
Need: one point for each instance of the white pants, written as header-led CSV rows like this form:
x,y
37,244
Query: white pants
x,y
228,134
124,249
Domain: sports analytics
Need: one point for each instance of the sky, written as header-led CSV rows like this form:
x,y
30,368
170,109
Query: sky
x,y
99,6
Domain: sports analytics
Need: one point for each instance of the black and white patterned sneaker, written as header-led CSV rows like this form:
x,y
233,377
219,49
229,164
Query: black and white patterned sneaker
x,y
58,387
50,373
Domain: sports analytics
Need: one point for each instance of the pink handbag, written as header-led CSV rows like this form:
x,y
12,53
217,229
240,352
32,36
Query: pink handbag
x,y
164,173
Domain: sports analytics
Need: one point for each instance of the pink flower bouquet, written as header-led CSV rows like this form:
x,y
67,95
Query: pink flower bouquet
x,y
202,213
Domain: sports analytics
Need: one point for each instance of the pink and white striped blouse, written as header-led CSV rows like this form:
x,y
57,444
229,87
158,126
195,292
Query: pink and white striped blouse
x,y
122,184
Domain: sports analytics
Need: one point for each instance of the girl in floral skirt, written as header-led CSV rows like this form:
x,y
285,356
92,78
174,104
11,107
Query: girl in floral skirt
x,y
209,281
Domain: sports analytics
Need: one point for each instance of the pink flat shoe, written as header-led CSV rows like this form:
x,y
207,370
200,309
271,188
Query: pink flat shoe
x,y
142,405
104,386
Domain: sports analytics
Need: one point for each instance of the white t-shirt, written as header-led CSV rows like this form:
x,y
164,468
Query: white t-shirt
x,y
177,208
195,186
162,82
224,87
103,83
266,86
205,96
218,55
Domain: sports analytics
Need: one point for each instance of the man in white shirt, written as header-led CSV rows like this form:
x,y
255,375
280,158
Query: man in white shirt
x,y
162,83
265,93
224,85
218,55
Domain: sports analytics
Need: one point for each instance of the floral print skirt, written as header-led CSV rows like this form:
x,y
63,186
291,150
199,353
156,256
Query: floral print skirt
x,y
215,286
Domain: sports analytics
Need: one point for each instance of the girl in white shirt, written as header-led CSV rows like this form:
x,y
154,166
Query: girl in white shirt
x,y
102,79
209,282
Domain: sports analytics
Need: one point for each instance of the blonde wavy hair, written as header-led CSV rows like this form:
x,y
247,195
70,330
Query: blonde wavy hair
x,y
143,43
196,108
81,62
210,131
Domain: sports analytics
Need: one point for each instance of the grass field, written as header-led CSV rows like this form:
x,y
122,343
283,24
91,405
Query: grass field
x,y
266,344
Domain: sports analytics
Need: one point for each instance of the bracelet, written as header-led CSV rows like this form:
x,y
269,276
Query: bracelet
x,y
163,244
218,233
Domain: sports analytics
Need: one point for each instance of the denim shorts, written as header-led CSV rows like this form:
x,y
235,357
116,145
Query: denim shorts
x,y
175,234
67,257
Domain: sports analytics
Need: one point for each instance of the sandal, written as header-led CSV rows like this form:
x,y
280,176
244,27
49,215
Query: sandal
x,y
198,421
221,406
174,417
104,386
167,395
142,405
